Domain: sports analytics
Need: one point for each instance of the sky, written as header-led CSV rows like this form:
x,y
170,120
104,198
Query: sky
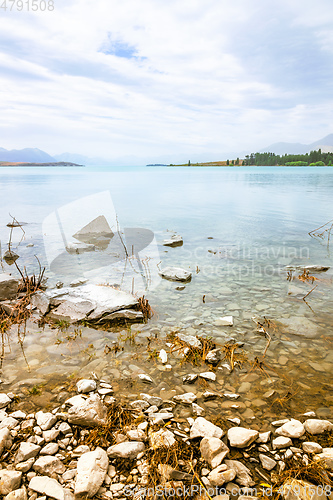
x,y
162,79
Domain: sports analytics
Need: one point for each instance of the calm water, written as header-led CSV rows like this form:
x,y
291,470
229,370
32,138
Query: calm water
x,y
241,227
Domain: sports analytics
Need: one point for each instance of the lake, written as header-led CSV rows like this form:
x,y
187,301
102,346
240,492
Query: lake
x,y
241,227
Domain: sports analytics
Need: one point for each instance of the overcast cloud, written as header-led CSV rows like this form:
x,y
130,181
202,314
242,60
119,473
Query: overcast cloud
x,y
149,78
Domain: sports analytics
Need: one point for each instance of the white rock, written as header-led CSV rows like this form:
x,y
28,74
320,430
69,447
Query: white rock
x,y
26,451
267,462
50,449
45,420
163,356
41,301
208,376
291,429
85,385
225,321
91,471
198,410
78,247
92,413
4,400
48,486
229,395
145,378
221,475
127,449
136,435
326,456
264,437
5,440
51,435
163,437
240,437
9,480
243,473
48,465
203,428
176,274
25,466
190,340
152,400
213,450
310,447
9,422
20,494
302,490
316,426
281,442
187,399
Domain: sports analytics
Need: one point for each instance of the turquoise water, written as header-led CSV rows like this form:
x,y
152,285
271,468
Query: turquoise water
x,y
240,226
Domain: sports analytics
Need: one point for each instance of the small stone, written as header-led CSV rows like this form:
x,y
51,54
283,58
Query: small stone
x,y
20,494
267,462
213,356
163,356
92,468
45,420
291,429
152,400
221,475
176,274
136,435
264,437
281,442
4,400
310,447
213,450
26,451
49,465
316,426
91,413
145,378
127,449
211,376
25,466
225,321
188,398
243,473
47,486
198,410
50,449
240,437
9,480
327,457
5,440
9,423
190,378
203,428
51,435
163,437
86,385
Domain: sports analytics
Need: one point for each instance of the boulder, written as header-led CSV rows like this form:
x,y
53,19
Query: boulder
x,y
240,437
203,428
213,450
92,468
89,414
176,274
8,286
97,228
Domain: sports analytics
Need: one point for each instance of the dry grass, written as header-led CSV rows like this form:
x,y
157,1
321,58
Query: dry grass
x,y
193,355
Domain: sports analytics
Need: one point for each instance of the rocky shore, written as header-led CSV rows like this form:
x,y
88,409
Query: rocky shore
x,y
92,447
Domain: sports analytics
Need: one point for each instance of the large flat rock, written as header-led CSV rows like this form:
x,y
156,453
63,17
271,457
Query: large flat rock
x,y
176,274
89,301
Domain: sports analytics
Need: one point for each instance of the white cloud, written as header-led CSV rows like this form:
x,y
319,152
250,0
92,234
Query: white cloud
x,y
207,76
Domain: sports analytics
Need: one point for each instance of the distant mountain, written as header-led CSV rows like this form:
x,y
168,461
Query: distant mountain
x,y
28,155
281,148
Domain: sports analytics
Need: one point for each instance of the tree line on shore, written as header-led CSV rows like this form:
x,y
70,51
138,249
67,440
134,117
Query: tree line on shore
x,y
314,158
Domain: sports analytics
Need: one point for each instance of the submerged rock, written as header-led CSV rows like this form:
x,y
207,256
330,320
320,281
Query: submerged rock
x,y
175,241
176,274
8,287
79,248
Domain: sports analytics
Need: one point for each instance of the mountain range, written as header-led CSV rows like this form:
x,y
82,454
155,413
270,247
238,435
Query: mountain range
x,y
35,155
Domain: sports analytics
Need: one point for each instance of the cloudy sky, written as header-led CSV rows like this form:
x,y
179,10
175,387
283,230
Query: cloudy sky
x,y
154,78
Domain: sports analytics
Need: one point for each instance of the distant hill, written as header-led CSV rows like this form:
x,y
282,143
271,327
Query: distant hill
x,y
27,155
281,148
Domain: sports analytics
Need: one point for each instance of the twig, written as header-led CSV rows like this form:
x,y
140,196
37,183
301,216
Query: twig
x,y
309,293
